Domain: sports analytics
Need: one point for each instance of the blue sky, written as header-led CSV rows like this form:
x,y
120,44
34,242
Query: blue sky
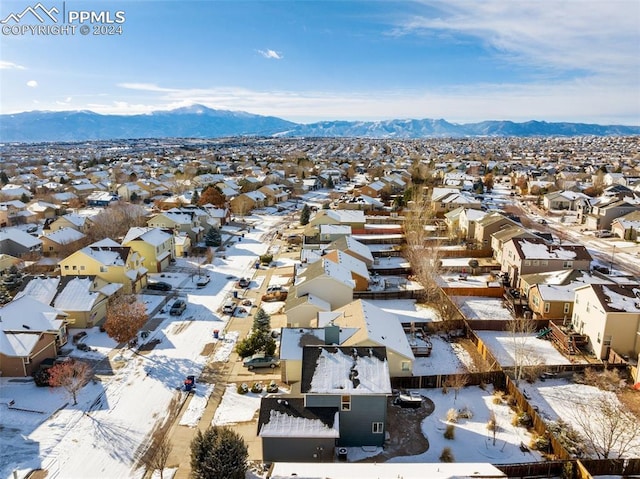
x,y
565,60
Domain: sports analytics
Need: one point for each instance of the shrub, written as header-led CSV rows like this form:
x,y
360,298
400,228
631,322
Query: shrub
x,y
522,419
243,388
256,388
449,433
452,415
497,400
266,258
539,443
447,455
465,413
492,424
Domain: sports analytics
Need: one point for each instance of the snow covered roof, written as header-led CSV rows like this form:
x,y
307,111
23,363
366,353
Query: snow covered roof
x,y
352,264
618,298
327,268
27,314
348,243
18,344
42,289
65,236
534,248
293,340
374,324
345,370
559,293
77,295
335,229
287,417
153,236
20,237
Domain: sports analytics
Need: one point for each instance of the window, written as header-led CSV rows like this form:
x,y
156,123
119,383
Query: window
x,y
536,301
50,248
405,365
535,262
377,427
103,269
345,403
527,262
566,308
547,307
543,262
567,264
81,267
74,267
66,267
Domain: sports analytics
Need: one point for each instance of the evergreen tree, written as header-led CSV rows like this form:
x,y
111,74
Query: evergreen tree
x,y
195,198
262,321
4,179
218,453
305,215
213,237
25,198
330,184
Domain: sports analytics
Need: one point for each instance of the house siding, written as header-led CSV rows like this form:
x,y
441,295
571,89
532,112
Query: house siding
x,y
297,449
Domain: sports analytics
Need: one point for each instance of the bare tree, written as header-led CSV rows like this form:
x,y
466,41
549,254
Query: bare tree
x,y
157,455
492,425
116,220
71,376
607,426
521,330
457,382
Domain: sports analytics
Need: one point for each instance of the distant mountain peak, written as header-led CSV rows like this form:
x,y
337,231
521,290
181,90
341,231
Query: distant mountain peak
x,y
199,121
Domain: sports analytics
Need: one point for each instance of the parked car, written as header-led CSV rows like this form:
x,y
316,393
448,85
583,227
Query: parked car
x,y
159,286
603,234
542,221
78,336
178,307
229,307
243,283
203,281
275,296
260,361
274,288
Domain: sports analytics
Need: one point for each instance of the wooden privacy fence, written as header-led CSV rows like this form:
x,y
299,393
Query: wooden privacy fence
x,y
497,378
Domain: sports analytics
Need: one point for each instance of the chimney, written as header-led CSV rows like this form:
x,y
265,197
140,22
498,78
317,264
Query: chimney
x,y
331,334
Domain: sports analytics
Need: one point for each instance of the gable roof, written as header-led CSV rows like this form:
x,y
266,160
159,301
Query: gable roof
x,y
537,248
327,268
349,244
617,298
153,236
374,324
330,370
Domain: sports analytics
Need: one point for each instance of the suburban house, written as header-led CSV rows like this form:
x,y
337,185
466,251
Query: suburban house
x,y
294,339
448,199
562,200
374,327
603,214
609,314
358,269
329,233
82,298
534,255
344,403
353,218
154,245
62,242
274,194
550,301
71,220
627,226
302,310
18,243
179,221
109,261
490,224
373,189
30,332
244,203
500,237
327,280
101,198
353,247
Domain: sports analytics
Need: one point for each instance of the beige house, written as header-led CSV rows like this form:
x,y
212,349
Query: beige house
x,y
358,269
179,221
490,224
154,245
71,220
302,310
354,248
62,242
534,255
610,316
376,327
30,332
327,280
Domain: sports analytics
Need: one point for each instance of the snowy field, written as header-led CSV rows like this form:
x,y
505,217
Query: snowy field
x,y
562,399
477,307
472,442
446,358
503,345
103,433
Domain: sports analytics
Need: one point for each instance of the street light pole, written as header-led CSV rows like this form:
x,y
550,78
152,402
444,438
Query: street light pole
x,y
612,255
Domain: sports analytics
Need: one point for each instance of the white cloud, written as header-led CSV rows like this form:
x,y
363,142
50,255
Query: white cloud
x,y
592,37
4,65
32,84
271,54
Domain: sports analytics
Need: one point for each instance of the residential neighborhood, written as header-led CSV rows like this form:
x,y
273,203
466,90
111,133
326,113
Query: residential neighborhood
x,y
429,302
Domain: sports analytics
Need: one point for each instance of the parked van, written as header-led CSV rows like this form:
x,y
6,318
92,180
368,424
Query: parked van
x,y
229,307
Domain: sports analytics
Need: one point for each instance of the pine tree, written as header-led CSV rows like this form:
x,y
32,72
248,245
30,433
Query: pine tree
x,y
305,215
195,198
218,453
262,321
330,184
4,179
213,237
